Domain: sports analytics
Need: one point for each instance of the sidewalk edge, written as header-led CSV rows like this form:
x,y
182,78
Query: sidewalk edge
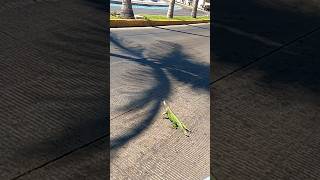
x,y
118,23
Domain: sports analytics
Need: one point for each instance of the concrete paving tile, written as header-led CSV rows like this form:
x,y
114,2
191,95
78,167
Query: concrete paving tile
x,y
246,30
158,148
264,115
87,163
53,99
150,65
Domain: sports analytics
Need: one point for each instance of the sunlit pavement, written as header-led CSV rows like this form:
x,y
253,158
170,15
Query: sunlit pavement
x,y
149,65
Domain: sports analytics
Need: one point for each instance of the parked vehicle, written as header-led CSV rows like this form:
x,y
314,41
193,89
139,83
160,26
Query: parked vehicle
x,y
206,5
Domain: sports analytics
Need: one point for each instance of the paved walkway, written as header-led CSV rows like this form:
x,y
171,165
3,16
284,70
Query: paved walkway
x,y
53,86
266,90
148,65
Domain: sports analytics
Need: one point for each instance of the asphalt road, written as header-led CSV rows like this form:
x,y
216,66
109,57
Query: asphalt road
x,y
53,89
148,65
265,90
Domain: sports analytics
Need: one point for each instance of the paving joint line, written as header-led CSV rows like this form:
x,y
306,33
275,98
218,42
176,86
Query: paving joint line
x,y
219,79
194,27
71,151
59,157
159,27
266,55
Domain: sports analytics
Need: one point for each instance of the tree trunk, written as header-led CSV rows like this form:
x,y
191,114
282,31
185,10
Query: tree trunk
x,y
194,9
126,10
171,9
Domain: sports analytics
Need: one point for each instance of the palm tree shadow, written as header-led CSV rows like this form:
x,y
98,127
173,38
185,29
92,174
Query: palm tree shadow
x,y
74,95
167,63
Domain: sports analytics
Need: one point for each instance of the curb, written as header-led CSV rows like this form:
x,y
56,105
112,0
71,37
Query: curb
x,y
118,23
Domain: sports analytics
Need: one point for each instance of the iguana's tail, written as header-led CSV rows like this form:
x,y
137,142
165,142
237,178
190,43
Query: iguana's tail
x,y
186,133
164,103
184,126
165,106
165,109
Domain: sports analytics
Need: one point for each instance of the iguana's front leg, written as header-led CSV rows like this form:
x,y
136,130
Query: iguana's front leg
x,y
175,126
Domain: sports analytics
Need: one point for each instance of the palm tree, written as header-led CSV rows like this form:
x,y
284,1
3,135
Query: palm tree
x,y
126,10
194,9
171,9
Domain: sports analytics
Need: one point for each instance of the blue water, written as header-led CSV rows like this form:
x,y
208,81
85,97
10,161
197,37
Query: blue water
x,y
134,6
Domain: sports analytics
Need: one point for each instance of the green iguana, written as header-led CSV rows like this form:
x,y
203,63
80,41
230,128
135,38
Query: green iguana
x,y
176,123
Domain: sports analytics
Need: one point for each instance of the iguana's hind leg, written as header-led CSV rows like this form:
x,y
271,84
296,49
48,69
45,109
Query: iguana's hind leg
x,y
175,126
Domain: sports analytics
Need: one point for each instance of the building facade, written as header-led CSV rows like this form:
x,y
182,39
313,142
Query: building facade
x,y
202,4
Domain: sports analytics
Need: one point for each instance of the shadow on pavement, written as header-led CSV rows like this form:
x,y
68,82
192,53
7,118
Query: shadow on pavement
x,y
55,94
164,60
264,109
246,30
80,55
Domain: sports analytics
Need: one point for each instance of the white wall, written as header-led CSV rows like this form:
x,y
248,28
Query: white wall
x,y
200,3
